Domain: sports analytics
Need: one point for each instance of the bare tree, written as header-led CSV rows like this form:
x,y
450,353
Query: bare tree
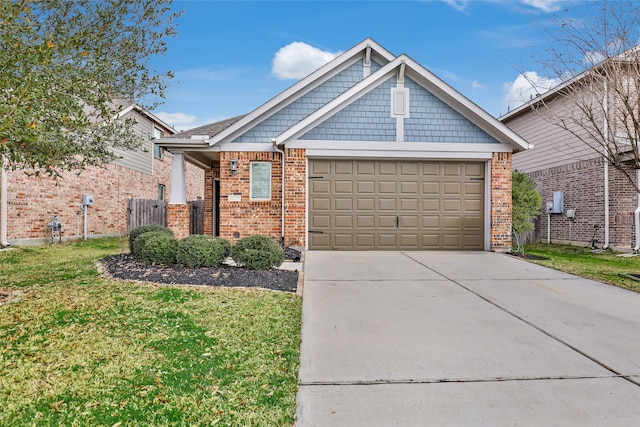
x,y
598,58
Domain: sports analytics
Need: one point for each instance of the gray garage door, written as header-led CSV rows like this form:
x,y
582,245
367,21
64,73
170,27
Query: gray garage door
x,y
387,205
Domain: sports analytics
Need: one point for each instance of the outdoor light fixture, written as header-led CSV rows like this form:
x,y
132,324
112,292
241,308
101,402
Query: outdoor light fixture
x,y
233,166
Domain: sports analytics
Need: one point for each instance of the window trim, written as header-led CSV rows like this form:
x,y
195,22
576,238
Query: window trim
x,y
162,192
251,165
157,150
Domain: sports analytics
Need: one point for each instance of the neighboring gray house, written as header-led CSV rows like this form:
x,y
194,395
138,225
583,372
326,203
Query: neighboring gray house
x,y
369,152
600,201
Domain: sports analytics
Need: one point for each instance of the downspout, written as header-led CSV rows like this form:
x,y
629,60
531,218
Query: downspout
x,y
637,214
606,204
277,150
606,169
3,208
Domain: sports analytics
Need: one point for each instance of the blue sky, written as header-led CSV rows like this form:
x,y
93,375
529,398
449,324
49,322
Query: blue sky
x,y
232,56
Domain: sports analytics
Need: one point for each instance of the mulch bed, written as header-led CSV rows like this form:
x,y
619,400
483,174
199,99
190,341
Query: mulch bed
x,y
127,267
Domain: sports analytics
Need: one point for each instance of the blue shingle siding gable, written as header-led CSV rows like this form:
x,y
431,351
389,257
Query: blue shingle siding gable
x,y
367,119
432,120
305,105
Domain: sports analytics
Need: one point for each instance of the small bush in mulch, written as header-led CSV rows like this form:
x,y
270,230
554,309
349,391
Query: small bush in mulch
x,y
257,253
202,251
158,248
136,232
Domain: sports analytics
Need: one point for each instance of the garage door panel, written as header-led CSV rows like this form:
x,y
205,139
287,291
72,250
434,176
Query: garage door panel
x,y
343,221
366,187
343,204
409,187
320,221
452,205
366,168
431,188
366,241
343,168
320,187
343,187
343,240
365,221
366,205
387,187
321,204
320,241
387,205
387,168
387,221
383,204
452,189
387,241
409,241
320,167
409,205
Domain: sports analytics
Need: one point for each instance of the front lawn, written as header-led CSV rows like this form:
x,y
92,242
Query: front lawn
x,y
77,349
604,266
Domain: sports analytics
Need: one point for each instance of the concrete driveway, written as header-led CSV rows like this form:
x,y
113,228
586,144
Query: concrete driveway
x,y
463,339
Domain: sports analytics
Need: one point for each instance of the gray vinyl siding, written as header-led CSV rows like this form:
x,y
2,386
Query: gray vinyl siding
x,y
552,146
141,159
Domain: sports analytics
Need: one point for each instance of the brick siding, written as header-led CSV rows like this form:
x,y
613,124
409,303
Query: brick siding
x,y
32,201
178,220
501,171
583,186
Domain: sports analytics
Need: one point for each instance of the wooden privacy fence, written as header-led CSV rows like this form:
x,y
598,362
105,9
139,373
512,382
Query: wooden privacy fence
x,y
146,211
196,217
149,211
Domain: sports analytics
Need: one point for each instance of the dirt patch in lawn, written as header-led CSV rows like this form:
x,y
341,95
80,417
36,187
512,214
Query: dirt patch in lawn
x,y
7,296
127,267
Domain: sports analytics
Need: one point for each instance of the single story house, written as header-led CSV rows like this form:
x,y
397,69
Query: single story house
x,y
369,152
28,203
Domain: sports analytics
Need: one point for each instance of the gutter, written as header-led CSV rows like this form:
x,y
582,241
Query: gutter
x,y
3,209
282,209
637,214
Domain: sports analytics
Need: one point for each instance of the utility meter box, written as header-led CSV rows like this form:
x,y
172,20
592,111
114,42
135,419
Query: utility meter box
x,y
557,206
87,200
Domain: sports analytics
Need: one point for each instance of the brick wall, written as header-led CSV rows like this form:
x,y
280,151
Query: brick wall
x,y
178,220
248,217
32,201
295,197
583,187
501,171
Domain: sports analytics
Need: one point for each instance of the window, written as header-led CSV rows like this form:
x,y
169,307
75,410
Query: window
x,y
160,191
157,150
260,181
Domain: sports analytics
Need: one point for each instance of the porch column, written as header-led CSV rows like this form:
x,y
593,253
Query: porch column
x,y
178,187
178,210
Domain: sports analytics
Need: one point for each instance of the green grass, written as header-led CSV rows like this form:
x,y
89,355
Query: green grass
x,y
80,350
603,266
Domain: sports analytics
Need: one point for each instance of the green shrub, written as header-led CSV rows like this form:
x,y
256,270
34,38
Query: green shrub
x,y
141,240
133,234
202,251
258,252
158,248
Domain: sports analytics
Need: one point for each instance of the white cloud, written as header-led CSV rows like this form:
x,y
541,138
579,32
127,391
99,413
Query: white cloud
x,y
524,87
297,60
476,85
459,5
180,121
544,5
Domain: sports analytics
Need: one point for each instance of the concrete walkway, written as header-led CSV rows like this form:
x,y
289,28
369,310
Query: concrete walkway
x,y
463,339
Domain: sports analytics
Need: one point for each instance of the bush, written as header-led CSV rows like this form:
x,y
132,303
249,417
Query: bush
x,y
258,252
158,248
136,232
202,251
